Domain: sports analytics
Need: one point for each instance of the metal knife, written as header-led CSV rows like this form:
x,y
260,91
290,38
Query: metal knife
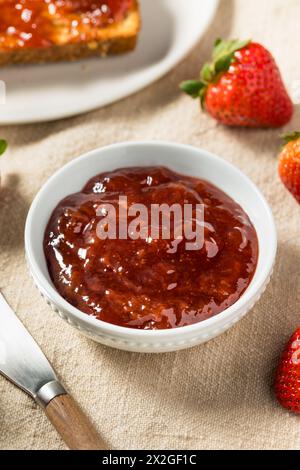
x,y
24,364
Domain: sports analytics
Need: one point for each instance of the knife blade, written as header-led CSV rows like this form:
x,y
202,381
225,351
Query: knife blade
x,y
23,363
21,359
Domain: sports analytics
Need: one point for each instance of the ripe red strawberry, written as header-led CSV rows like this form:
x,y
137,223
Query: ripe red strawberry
x,y
287,381
289,164
242,86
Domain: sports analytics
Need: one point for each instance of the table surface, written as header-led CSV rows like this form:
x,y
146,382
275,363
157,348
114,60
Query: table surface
x,y
217,395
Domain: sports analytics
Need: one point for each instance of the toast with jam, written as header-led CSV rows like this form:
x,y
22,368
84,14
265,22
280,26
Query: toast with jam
x,y
33,31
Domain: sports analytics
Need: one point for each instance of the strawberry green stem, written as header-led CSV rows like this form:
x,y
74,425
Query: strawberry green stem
x,y
291,136
3,146
222,57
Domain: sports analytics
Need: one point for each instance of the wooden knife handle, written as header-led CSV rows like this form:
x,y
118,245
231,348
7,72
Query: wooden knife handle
x,y
73,425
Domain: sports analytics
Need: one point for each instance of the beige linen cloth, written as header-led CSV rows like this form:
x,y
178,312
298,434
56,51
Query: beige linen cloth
x,y
214,396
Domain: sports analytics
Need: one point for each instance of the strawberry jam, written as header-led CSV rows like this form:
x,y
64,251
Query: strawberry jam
x,y
43,23
145,283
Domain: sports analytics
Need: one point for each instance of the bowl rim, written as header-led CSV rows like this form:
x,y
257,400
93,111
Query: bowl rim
x,y
257,284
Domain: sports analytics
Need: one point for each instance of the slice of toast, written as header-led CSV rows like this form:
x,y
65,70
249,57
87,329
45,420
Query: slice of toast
x,y
65,36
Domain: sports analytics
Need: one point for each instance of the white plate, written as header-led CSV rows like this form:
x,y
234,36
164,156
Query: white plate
x,y
171,28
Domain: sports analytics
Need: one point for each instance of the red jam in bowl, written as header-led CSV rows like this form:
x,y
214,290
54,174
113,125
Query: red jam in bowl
x,y
43,23
144,283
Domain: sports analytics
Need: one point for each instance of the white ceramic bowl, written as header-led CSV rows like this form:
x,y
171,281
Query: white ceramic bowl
x,y
181,158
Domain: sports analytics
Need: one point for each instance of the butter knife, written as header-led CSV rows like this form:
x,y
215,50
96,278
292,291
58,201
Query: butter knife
x,y
24,364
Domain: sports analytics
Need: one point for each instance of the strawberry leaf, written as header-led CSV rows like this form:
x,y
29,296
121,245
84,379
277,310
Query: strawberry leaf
x,y
223,64
228,47
192,87
207,73
237,45
291,136
222,58
202,95
217,42
3,146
